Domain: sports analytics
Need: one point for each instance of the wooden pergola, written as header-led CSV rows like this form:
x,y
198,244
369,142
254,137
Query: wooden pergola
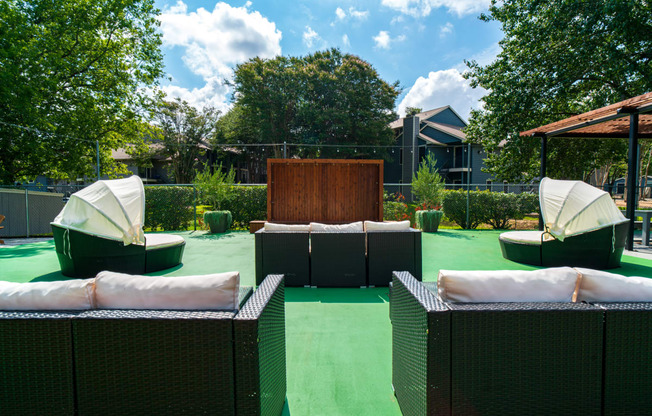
x,y
629,119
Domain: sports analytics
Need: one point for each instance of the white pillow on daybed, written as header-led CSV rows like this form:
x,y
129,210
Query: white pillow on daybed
x,y
387,226
217,291
350,227
59,295
599,286
270,226
556,284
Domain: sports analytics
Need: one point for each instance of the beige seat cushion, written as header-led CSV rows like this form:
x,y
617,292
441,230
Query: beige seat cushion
x,y
350,227
217,291
386,226
599,286
74,294
270,226
525,237
556,284
154,241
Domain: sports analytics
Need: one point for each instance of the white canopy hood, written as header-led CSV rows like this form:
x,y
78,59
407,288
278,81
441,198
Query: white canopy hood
x,y
112,209
575,207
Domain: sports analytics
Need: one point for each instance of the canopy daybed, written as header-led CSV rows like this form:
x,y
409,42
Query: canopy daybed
x,y
101,228
583,228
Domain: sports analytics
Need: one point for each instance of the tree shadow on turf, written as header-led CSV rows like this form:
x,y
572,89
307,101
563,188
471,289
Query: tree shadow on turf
x,y
337,295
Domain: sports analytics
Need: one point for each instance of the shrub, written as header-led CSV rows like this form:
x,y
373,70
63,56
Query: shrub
x,y
428,221
168,207
454,204
215,189
249,203
499,208
528,202
427,185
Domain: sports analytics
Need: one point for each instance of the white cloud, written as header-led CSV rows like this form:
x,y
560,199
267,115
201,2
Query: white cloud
x,y
345,40
214,42
310,37
445,30
442,88
422,8
341,15
213,94
384,41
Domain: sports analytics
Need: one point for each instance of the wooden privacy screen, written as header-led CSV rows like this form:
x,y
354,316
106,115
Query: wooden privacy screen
x,y
324,190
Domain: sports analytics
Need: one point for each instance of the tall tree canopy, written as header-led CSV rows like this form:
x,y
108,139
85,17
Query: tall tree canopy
x,y
559,58
72,73
184,134
327,98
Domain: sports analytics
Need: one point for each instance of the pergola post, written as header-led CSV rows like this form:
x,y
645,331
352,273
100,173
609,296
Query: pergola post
x,y
632,178
544,151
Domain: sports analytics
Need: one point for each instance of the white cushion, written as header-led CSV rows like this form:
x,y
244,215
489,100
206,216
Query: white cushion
x,y
525,237
125,291
386,226
162,240
545,285
60,295
270,226
350,227
599,286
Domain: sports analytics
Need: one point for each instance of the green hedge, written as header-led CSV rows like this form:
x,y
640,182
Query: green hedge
x,y
169,207
486,207
248,204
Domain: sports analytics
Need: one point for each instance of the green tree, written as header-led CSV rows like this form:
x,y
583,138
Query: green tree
x,y
73,73
558,58
412,111
427,184
327,98
184,135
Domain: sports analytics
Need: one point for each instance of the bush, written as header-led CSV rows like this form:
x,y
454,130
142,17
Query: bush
x,y
454,206
215,189
427,185
499,208
528,203
168,207
249,203
428,220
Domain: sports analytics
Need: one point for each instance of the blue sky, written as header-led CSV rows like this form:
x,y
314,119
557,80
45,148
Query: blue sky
x,y
420,43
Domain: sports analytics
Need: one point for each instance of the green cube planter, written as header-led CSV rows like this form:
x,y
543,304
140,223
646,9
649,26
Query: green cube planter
x,y
428,221
218,221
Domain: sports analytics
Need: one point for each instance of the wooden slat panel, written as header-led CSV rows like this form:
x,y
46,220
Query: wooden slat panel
x,y
324,190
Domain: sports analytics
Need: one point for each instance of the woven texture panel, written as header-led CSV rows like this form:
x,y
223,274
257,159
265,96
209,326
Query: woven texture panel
x,y
628,359
390,251
154,362
286,253
337,259
36,373
260,361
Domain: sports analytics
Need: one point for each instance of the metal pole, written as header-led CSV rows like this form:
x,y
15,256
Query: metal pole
x,y
97,151
26,212
194,190
468,186
542,172
285,154
632,178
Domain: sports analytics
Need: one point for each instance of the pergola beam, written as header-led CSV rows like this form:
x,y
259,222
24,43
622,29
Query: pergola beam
x,y
632,178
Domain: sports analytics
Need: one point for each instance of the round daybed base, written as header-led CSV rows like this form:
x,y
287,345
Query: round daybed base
x,y
84,255
599,249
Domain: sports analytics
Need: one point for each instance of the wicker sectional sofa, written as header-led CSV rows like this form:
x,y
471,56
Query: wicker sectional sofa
x,y
337,259
164,362
517,358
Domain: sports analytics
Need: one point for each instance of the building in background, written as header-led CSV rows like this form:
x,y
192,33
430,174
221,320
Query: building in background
x,y
441,132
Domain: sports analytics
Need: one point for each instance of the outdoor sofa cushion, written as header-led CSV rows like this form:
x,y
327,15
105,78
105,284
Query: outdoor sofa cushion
x,y
156,241
599,286
386,226
546,285
270,226
526,237
351,227
60,295
217,291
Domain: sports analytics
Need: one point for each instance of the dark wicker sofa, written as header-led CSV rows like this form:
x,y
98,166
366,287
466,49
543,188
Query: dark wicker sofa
x,y
493,358
110,362
285,252
388,251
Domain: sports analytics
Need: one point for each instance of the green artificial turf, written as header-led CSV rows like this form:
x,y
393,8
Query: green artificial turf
x,y
338,340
